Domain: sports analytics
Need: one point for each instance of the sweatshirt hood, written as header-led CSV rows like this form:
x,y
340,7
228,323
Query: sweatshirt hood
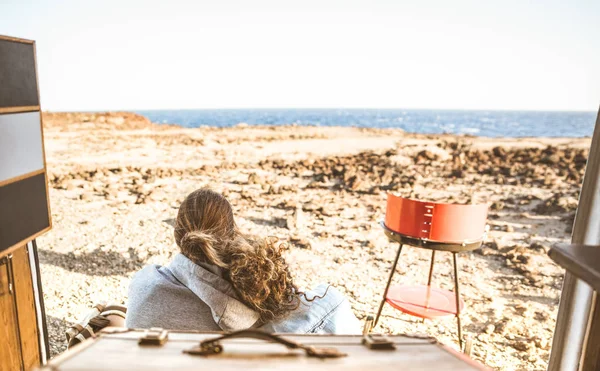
x,y
207,284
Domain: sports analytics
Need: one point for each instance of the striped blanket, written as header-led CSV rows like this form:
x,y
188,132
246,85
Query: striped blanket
x,y
97,319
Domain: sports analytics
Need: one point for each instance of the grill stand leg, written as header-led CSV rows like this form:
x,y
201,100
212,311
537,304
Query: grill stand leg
x,y
431,267
387,287
457,295
430,276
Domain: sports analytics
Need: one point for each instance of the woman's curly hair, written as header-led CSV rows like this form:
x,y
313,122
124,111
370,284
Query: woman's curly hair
x,y
206,232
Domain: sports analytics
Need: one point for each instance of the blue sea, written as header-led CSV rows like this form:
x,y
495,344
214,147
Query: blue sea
x,y
479,123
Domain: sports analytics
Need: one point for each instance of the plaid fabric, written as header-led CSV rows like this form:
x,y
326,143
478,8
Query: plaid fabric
x,y
93,322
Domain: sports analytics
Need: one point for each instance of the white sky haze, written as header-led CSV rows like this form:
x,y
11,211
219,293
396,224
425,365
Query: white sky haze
x,y
509,54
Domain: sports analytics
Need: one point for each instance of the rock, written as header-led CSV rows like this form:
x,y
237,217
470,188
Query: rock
x,y
551,159
541,343
489,329
296,220
541,316
426,155
521,308
86,196
301,242
328,211
457,173
522,345
356,183
253,178
501,327
537,246
111,194
315,185
310,207
497,205
492,244
71,186
274,190
507,228
555,204
499,152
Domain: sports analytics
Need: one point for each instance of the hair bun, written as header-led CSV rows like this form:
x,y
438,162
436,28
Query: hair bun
x,y
200,246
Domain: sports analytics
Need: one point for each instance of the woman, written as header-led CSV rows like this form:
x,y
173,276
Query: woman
x,y
225,280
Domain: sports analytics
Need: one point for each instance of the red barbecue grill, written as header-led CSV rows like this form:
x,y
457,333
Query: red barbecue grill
x,y
438,227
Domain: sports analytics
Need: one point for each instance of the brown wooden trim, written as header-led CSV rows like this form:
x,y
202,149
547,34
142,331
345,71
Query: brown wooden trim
x,y
37,84
26,308
40,297
579,260
11,280
16,39
24,241
21,109
21,177
590,359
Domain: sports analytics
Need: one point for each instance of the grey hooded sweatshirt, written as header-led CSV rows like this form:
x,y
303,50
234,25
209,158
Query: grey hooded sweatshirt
x,y
190,297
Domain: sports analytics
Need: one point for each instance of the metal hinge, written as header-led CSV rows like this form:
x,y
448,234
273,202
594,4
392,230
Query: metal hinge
x,y
10,284
5,261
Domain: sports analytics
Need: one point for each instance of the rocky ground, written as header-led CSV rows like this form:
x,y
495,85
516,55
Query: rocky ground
x,y
116,181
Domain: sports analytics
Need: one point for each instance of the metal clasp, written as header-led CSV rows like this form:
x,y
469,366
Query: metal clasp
x,y
154,336
378,342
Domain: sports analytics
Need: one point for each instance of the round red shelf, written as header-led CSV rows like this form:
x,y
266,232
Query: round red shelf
x,y
423,301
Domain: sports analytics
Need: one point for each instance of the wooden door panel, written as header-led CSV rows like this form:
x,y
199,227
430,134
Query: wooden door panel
x,y
10,358
28,329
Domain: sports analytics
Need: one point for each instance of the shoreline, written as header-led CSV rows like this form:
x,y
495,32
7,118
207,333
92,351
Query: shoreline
x,y
242,125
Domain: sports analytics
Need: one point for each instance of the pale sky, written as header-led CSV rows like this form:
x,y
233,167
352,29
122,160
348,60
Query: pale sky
x,y
458,54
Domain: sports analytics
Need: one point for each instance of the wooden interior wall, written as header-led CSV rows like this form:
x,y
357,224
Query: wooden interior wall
x,y
10,354
24,207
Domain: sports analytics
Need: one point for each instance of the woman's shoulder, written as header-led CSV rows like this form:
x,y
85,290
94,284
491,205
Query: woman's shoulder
x,y
149,272
154,293
323,309
151,278
153,272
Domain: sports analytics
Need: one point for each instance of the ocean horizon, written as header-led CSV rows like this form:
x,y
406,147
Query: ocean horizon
x,y
487,123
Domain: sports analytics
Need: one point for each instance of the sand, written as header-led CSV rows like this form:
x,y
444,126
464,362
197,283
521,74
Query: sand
x,y
116,181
